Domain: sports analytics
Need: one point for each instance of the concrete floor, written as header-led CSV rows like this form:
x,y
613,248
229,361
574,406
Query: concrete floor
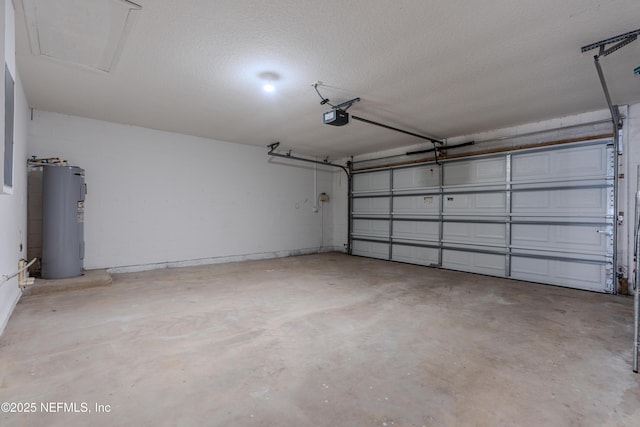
x,y
320,340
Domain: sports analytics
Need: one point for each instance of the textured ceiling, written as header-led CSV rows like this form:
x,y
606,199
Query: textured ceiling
x,y
441,68
86,33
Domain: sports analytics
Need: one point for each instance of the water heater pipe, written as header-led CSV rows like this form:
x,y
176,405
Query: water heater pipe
x,y
6,278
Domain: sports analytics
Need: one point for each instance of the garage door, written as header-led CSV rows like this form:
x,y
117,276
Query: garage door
x,y
542,215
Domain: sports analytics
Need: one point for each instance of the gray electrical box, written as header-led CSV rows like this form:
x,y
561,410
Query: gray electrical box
x,y
63,192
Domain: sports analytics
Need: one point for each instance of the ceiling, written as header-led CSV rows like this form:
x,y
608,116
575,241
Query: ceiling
x,y
439,68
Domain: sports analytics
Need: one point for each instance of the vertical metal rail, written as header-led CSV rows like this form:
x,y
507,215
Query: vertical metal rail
x,y
509,206
636,286
349,206
391,196
616,148
441,214
617,125
636,310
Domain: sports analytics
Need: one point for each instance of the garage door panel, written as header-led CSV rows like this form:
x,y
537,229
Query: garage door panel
x,y
371,206
580,236
530,201
372,182
530,235
474,262
416,230
563,273
416,177
530,166
585,201
474,233
474,172
374,228
415,255
567,238
370,249
560,164
574,238
580,162
475,203
578,255
574,183
416,205
592,198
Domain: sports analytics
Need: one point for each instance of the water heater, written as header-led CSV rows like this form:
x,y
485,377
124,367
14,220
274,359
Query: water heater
x,y
63,192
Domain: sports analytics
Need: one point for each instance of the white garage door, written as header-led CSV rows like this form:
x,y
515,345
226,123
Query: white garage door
x,y
543,215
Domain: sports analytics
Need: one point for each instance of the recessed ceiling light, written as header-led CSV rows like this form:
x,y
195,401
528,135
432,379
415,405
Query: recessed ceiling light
x,y
268,87
268,77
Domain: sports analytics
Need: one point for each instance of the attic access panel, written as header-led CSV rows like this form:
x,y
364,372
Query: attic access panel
x,y
542,215
86,33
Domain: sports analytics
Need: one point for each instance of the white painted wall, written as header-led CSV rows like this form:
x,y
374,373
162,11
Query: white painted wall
x,y
157,198
13,211
13,206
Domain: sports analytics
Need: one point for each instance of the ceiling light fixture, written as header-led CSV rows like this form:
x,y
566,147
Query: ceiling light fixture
x,y
268,78
268,87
